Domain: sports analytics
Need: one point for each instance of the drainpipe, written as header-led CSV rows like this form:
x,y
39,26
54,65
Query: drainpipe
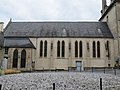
x,y
117,29
31,60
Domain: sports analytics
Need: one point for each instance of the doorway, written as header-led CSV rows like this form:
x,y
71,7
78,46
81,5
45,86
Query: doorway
x,y
79,66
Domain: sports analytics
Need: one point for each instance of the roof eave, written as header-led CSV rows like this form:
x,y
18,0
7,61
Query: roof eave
x,y
18,47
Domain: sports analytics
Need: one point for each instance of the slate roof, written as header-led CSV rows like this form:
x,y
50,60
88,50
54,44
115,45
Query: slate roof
x,y
1,39
58,29
18,43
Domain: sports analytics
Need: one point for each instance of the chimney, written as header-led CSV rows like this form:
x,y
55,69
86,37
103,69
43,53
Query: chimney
x,y
1,26
104,5
112,0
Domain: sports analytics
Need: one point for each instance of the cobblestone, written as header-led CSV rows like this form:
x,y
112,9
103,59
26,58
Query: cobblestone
x,y
62,80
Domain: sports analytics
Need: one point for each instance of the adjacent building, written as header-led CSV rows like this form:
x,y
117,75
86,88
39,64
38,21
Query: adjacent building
x,y
1,42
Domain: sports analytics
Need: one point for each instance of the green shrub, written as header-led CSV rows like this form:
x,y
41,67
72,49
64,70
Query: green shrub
x,y
1,72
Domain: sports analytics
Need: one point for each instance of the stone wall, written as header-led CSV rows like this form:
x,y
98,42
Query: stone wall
x,y
53,62
112,18
28,58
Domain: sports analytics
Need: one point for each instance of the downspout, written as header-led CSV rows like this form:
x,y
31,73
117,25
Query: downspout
x,y
117,29
31,60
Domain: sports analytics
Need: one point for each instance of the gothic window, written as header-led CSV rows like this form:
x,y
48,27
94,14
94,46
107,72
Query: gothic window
x,y
23,58
63,49
45,49
107,18
94,49
15,59
98,49
41,48
76,49
58,49
80,49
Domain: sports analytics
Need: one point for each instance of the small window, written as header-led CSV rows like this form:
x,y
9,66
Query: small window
x,y
108,65
69,46
6,50
107,18
107,49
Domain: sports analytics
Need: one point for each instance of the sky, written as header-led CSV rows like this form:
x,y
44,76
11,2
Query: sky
x,y
50,10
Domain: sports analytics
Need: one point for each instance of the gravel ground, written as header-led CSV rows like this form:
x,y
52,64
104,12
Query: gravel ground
x,y
62,80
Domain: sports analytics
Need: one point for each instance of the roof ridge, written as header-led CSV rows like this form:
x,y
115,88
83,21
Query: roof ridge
x,y
56,22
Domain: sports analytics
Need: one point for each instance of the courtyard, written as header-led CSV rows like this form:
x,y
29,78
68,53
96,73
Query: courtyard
x,y
62,80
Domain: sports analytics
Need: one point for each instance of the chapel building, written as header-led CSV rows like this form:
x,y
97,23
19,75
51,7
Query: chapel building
x,y
63,45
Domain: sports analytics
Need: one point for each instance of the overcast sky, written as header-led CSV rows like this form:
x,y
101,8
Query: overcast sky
x,y
52,10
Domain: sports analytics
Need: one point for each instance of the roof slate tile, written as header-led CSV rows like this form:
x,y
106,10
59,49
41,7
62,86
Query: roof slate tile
x,y
55,29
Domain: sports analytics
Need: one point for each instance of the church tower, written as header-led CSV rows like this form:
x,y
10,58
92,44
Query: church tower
x,y
111,15
104,5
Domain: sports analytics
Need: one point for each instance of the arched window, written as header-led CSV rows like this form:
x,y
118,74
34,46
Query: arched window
x,y
45,49
98,49
58,49
80,49
94,49
63,49
76,49
15,58
23,58
41,48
